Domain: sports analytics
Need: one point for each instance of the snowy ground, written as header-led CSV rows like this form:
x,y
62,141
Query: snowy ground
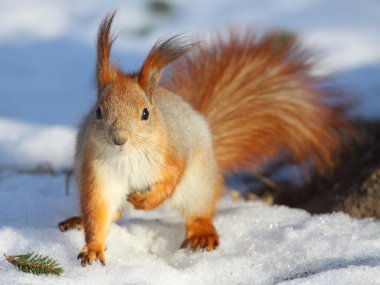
x,y
260,244
47,83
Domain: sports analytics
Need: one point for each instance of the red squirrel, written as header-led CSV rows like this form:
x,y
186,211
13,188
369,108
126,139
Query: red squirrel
x,y
225,105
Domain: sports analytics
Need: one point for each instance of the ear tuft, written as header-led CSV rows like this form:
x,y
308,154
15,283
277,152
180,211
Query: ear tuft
x,y
104,44
163,52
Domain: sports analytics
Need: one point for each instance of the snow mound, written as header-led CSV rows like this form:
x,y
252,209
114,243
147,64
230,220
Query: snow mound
x,y
27,145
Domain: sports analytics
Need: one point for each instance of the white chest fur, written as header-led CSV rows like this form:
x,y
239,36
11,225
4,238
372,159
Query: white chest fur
x,y
124,172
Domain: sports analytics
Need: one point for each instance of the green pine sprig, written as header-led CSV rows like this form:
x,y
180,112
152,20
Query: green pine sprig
x,y
35,263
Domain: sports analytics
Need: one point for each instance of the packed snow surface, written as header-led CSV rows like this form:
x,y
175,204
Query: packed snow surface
x,y
47,83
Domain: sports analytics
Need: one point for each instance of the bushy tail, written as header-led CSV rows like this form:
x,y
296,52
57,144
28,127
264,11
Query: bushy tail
x,y
260,99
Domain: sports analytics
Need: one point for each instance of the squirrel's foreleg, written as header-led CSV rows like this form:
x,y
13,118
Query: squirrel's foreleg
x,y
159,191
201,233
95,213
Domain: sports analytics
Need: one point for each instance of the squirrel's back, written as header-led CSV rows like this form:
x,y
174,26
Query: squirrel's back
x,y
259,99
185,126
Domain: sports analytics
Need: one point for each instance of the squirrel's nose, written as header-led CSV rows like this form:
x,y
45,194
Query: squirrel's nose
x,y
118,140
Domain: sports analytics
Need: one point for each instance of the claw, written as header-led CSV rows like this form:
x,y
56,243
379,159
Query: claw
x,y
91,253
194,243
201,242
184,244
211,244
63,227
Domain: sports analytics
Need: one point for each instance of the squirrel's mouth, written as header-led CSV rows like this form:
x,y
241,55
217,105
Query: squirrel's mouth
x,y
119,148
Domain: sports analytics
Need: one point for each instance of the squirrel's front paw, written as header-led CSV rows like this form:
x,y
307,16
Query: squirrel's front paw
x,y
91,252
200,233
139,201
209,242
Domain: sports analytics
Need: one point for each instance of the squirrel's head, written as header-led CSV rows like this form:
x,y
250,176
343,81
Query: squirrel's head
x,y
125,109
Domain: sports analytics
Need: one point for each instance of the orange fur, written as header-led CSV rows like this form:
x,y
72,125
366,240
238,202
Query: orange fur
x,y
169,178
104,44
163,52
95,214
260,99
75,222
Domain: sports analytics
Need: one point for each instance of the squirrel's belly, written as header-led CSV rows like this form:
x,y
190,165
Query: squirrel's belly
x,y
123,174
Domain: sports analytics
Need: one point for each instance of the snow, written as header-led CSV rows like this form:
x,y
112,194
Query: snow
x,y
260,244
25,144
47,83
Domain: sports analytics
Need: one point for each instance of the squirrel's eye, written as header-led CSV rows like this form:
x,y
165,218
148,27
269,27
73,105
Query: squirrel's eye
x,y
145,114
99,115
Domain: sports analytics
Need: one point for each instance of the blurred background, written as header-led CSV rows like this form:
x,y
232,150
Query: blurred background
x,y
47,58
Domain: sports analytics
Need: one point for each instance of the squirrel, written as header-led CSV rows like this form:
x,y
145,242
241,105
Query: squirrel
x,y
223,106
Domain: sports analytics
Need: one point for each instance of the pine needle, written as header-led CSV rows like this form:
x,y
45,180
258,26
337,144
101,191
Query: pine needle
x,y
35,263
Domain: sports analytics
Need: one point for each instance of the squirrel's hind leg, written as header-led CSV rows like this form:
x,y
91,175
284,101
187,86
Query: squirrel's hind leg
x,y
71,223
76,222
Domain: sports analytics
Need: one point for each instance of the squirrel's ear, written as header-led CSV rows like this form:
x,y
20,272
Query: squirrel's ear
x,y
104,44
163,52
